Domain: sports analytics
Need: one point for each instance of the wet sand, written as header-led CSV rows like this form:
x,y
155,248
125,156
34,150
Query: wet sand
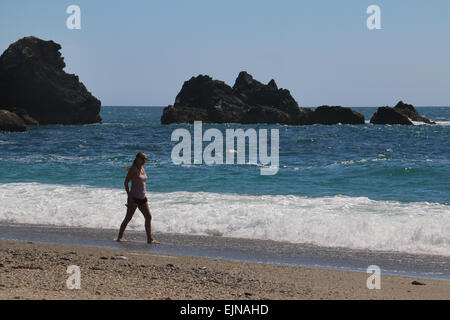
x,y
39,271
238,249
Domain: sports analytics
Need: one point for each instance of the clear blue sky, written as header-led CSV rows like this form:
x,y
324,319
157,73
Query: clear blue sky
x,y
141,52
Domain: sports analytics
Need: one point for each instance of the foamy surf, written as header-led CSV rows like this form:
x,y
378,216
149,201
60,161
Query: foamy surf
x,y
418,123
334,221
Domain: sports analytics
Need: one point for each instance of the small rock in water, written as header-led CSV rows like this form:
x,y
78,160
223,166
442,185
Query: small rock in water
x,y
417,283
169,265
202,268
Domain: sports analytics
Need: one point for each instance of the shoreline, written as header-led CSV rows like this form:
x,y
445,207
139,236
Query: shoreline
x,y
238,249
39,271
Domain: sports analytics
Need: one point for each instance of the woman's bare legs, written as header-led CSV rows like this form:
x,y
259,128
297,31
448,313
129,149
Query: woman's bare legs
x,y
130,212
145,209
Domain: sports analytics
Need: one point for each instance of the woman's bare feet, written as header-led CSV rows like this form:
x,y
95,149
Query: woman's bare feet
x,y
121,240
153,242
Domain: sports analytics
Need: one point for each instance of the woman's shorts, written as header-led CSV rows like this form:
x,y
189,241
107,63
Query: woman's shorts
x,y
140,201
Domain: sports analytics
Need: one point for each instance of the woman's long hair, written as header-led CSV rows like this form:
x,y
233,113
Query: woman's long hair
x,y
139,155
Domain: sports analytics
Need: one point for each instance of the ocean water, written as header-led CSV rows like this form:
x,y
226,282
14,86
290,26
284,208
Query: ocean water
x,y
351,186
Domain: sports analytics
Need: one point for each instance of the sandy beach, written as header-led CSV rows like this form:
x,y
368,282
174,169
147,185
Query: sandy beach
x,y
39,271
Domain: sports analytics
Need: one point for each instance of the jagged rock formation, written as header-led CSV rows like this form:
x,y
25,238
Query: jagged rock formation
x,y
402,113
248,101
409,111
388,115
32,81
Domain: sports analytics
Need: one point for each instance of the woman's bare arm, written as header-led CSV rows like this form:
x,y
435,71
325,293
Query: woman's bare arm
x,y
131,174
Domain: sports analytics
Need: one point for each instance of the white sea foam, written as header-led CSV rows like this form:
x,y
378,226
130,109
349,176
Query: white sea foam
x,y
353,222
440,123
418,123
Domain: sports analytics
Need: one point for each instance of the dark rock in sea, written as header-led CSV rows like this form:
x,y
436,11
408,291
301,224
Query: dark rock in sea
x,y
9,121
267,103
248,101
335,115
409,111
32,80
387,115
204,99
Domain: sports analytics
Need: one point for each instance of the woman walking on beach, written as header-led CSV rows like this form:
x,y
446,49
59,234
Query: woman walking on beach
x,y
137,196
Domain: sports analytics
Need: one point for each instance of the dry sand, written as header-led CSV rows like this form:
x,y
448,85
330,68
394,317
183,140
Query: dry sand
x,y
39,271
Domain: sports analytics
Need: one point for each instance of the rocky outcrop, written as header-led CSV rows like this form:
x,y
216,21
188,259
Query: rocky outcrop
x,y
204,99
248,101
387,115
402,113
33,81
268,103
9,121
335,115
409,111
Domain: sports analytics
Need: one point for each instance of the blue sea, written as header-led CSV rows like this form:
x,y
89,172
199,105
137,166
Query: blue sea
x,y
367,187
